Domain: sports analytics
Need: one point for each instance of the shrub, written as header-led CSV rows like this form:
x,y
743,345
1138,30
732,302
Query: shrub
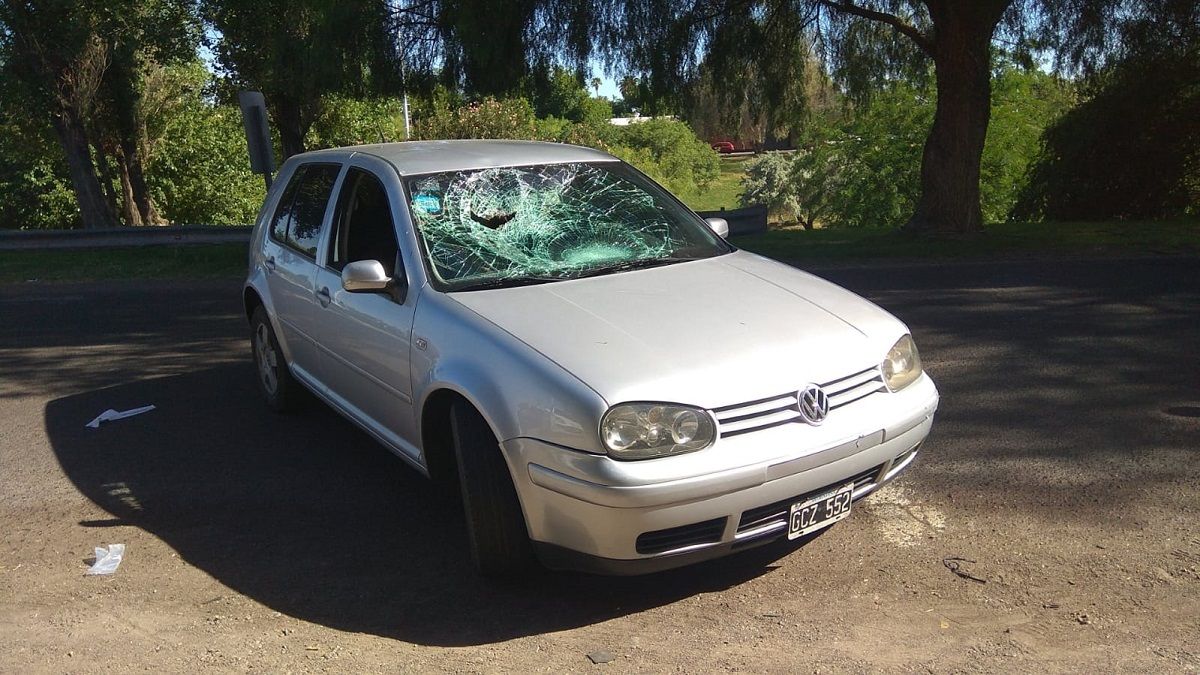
x,y
198,169
349,121
490,118
769,181
669,152
1131,150
865,171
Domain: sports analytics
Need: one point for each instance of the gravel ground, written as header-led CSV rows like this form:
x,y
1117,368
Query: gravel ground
x,y
1062,466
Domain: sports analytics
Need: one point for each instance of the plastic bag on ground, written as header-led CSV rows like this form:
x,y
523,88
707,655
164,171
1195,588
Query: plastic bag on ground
x,y
107,559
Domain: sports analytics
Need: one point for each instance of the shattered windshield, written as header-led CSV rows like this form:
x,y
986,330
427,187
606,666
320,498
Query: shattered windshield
x,y
532,224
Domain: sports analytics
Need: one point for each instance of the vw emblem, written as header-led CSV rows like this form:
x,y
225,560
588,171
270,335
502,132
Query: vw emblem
x,y
813,404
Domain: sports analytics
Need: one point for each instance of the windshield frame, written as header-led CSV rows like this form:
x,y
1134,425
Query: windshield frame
x,y
641,180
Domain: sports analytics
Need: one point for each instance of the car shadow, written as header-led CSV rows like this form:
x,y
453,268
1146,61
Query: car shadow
x,y
309,516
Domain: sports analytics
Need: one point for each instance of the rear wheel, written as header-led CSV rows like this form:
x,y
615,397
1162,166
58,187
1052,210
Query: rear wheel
x,y
275,380
495,524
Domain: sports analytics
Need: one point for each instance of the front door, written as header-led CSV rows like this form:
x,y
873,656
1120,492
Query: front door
x,y
365,337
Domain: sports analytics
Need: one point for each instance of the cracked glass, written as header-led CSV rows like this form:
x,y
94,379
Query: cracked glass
x,y
531,224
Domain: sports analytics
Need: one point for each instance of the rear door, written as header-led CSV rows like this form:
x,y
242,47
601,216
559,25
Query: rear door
x,y
290,251
365,337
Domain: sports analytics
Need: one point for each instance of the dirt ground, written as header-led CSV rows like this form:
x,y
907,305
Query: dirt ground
x,y
1063,468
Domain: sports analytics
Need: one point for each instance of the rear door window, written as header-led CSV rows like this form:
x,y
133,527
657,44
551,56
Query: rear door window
x,y
301,211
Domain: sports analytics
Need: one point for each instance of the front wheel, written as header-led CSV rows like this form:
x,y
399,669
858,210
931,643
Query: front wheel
x,y
275,380
495,524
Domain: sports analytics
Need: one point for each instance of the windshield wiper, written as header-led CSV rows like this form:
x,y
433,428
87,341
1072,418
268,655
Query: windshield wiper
x,y
641,263
507,282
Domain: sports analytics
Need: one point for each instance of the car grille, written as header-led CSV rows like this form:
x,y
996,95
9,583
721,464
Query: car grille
x,y
773,518
743,418
659,541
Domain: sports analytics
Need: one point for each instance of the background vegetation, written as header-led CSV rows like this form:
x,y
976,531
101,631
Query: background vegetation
x,y
123,112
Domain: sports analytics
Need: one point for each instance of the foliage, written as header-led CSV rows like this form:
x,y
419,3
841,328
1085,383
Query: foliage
x,y
1131,150
769,181
37,192
297,52
33,174
668,151
1024,104
864,171
199,171
665,149
352,121
559,92
723,193
490,118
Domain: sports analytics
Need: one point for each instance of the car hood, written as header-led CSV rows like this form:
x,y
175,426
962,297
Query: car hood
x,y
711,332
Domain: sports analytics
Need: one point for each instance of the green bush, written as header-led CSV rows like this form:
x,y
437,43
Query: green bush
x,y
1131,150
769,181
667,150
33,172
198,169
350,121
865,171
490,118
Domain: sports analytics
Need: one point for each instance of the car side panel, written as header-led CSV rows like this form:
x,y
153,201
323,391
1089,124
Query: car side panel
x,y
517,390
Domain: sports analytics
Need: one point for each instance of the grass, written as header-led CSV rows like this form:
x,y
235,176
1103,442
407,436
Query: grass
x,y
201,261
1001,240
724,191
1007,240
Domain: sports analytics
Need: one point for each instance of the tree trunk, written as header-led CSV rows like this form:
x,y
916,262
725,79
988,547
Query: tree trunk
x,y
292,129
129,210
93,209
949,202
131,172
100,160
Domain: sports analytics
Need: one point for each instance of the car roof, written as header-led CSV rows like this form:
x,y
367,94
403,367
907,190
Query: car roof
x,y
418,157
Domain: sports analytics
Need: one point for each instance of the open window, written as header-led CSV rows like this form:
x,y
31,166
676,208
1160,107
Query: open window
x,y
363,224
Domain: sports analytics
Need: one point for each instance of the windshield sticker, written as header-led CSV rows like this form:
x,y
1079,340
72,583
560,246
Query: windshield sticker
x,y
427,203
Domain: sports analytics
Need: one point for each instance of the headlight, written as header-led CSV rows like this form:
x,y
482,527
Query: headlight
x,y
902,366
647,430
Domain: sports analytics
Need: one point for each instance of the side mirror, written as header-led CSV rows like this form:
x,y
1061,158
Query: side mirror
x,y
365,276
718,225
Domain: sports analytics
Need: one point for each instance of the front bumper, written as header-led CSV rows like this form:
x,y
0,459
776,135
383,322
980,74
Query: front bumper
x,y
593,513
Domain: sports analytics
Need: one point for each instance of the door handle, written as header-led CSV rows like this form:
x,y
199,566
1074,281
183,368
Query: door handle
x,y
324,297
269,263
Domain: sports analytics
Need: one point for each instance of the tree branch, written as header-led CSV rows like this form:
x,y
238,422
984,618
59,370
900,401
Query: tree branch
x,y
846,7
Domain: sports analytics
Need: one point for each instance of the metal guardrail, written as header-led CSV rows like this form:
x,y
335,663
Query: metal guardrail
x,y
171,235
749,220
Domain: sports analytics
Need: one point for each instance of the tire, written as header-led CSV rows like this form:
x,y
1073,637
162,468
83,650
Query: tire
x,y
281,391
499,541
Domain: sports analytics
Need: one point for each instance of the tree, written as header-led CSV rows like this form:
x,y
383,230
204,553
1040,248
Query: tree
x,y
873,41
83,61
1131,149
140,35
54,50
298,51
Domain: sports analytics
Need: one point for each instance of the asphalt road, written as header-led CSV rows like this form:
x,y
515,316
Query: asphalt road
x,y
1063,468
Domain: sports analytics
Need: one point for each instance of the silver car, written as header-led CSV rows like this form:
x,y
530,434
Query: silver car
x,y
612,386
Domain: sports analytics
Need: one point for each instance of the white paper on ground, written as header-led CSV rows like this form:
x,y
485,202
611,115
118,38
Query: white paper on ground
x,y
107,559
110,415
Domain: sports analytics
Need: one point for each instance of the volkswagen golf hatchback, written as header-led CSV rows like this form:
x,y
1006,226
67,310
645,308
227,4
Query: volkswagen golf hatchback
x,y
610,384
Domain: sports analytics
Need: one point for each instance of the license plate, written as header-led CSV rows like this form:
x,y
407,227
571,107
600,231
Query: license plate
x,y
820,511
